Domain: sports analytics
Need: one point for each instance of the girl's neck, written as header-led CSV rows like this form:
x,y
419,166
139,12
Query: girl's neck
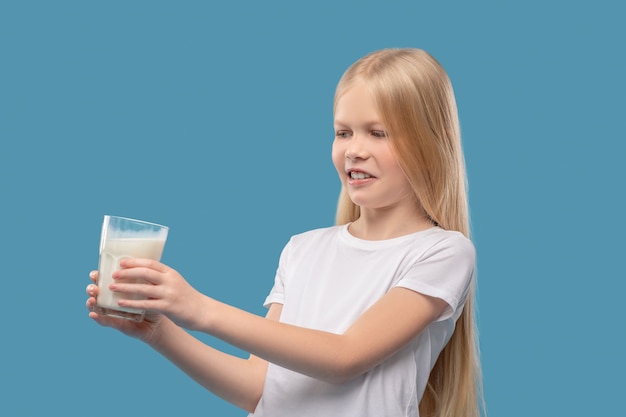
x,y
388,224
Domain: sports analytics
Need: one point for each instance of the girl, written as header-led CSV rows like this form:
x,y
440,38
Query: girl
x,y
371,317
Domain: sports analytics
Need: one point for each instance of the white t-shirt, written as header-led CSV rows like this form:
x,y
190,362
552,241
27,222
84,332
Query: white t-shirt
x,y
327,278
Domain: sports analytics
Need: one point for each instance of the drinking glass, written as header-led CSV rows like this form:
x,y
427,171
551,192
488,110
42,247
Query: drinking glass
x,y
124,238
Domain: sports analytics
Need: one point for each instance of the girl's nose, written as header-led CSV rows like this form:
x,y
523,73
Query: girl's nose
x,y
356,150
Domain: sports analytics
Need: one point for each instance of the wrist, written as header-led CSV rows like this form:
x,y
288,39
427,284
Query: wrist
x,y
160,333
204,318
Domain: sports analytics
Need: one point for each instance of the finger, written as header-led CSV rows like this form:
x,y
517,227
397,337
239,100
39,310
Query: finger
x,y
138,274
91,303
143,263
102,320
94,276
148,304
137,290
92,290
151,316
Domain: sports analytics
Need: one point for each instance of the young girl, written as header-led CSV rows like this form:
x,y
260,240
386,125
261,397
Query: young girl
x,y
371,317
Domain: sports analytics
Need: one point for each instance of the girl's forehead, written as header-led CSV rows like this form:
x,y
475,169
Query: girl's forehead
x,y
356,103
349,86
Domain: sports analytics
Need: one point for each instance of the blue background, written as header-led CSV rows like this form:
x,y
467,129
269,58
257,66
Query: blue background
x,y
216,120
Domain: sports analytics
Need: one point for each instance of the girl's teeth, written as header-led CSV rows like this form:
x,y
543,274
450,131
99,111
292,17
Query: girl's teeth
x,y
359,175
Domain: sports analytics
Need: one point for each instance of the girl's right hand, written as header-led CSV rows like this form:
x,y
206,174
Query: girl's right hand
x,y
146,330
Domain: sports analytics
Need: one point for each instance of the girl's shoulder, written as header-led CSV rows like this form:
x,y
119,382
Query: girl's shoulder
x,y
319,234
442,237
437,242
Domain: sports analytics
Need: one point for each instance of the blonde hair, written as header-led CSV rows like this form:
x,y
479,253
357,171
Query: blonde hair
x,y
415,100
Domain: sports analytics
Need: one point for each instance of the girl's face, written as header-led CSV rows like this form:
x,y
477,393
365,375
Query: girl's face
x,y
363,155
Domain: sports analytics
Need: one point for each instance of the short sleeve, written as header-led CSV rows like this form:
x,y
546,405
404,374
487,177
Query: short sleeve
x,y
444,271
277,294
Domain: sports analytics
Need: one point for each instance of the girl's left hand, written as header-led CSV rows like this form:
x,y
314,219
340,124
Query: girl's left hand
x,y
164,289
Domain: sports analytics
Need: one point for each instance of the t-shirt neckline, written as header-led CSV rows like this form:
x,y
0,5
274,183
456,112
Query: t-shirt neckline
x,y
354,241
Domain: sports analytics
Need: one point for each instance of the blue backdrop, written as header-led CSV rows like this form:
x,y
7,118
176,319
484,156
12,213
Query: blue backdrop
x,y
216,120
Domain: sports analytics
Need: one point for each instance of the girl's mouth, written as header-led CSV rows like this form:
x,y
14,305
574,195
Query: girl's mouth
x,y
357,175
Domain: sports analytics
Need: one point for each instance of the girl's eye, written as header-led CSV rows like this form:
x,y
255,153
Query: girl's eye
x,y
342,134
379,133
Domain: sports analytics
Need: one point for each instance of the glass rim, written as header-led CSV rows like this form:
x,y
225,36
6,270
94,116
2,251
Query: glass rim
x,y
136,221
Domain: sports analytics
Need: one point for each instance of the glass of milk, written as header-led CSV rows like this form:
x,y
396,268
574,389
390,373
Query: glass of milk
x,y
124,238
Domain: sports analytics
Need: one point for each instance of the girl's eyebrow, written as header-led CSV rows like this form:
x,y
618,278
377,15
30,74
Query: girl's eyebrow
x,y
368,125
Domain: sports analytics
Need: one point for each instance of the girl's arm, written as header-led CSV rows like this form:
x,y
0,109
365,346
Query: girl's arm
x,y
382,330
236,380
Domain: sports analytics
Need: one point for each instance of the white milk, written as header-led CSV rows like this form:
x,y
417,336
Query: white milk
x,y
114,250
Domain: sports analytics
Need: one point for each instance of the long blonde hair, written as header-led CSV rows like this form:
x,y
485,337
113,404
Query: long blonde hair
x,y
416,103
